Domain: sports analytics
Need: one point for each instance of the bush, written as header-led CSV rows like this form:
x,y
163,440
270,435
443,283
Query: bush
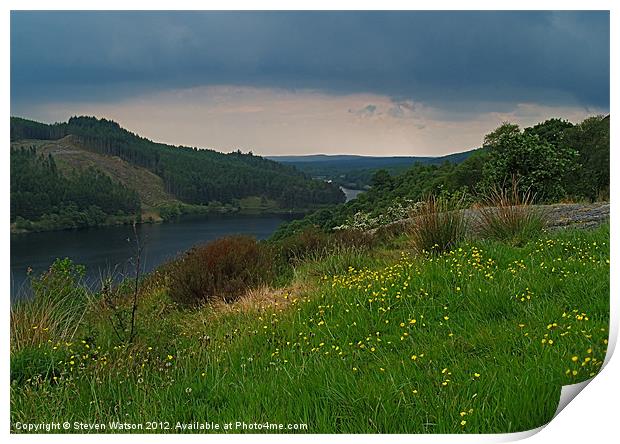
x,y
353,239
437,225
221,270
169,211
54,310
297,247
508,215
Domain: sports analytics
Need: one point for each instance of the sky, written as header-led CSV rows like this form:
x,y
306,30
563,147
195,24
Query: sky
x,y
291,83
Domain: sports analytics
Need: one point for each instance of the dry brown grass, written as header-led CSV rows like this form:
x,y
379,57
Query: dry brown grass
x,y
254,302
257,300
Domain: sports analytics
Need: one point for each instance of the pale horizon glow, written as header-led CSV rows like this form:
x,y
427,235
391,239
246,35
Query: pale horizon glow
x,y
272,121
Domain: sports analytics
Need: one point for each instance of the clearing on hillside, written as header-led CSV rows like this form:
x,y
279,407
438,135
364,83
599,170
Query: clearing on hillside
x,y
70,155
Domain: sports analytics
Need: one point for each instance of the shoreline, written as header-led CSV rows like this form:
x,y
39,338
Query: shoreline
x,y
150,220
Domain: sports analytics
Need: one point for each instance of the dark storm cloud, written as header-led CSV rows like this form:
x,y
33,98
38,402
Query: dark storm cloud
x,y
456,58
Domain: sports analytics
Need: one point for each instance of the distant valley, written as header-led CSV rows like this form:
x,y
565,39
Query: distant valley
x,y
356,172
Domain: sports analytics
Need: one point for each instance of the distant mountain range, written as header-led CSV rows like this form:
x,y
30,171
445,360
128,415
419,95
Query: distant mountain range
x,y
355,161
356,171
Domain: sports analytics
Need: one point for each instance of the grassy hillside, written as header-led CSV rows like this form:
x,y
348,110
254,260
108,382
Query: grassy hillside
x,y
373,338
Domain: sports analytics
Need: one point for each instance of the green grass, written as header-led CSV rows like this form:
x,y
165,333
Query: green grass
x,y
255,204
496,330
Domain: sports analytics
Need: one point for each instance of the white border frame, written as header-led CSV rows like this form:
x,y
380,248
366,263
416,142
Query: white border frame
x,y
591,417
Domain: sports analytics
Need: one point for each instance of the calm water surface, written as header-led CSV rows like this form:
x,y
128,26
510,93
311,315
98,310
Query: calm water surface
x,y
109,249
350,194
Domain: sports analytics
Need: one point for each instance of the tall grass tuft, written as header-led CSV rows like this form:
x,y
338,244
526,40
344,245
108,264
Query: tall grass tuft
x,y
54,310
508,215
437,225
312,244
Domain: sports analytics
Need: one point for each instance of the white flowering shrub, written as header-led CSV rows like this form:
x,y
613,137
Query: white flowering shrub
x,y
399,210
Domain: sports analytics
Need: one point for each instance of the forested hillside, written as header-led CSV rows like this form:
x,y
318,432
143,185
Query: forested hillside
x,y
193,176
554,160
357,171
70,155
40,194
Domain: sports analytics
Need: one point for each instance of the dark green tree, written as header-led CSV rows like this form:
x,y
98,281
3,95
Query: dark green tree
x,y
382,179
538,165
551,130
506,128
590,139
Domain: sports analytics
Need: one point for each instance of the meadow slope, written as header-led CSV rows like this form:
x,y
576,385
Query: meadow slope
x,y
477,340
